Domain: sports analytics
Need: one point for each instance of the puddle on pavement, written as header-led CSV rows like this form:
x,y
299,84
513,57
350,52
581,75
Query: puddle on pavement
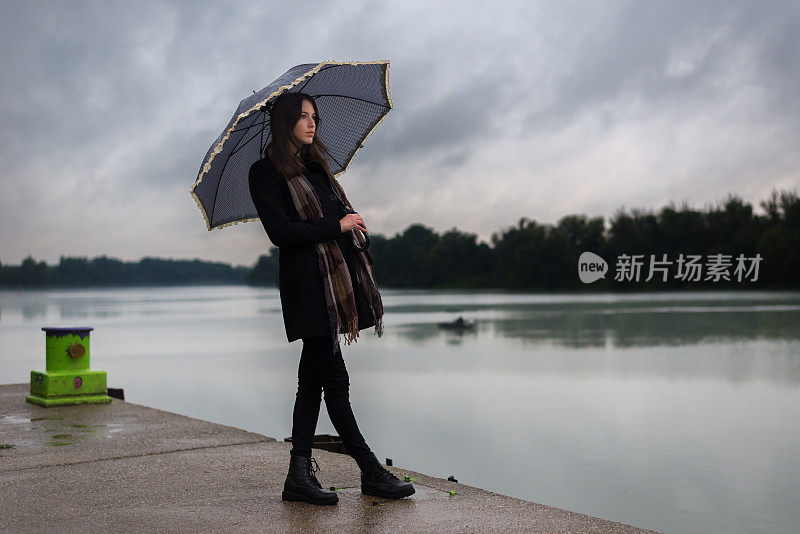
x,y
15,419
54,435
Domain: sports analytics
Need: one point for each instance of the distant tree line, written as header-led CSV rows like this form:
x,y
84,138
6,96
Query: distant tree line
x,y
104,271
541,257
528,256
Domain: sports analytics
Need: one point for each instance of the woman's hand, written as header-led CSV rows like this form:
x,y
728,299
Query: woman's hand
x,y
352,221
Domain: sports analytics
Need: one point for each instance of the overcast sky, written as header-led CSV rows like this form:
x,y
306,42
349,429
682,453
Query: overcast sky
x,y
501,111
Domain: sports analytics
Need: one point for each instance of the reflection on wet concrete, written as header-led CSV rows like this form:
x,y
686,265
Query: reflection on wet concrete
x,y
57,431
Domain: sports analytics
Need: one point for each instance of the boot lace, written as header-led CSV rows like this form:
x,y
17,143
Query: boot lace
x,y
311,471
378,473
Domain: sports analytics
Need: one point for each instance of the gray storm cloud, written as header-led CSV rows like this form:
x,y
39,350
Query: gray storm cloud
x,y
500,111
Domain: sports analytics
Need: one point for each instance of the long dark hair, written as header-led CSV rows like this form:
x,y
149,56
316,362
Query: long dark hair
x,y
282,150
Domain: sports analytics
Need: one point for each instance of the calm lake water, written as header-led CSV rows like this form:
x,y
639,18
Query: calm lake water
x,y
678,412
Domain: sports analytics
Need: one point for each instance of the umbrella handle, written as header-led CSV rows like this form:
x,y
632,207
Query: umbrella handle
x,y
346,209
355,243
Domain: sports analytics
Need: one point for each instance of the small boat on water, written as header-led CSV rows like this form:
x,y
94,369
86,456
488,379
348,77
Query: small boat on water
x,y
458,324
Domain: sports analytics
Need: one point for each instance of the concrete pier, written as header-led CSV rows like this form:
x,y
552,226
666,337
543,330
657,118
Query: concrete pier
x,y
124,467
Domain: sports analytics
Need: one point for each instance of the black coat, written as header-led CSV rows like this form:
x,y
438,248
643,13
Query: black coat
x,y
299,279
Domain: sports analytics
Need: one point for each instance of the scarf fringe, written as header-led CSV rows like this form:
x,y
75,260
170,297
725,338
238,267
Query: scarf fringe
x,y
352,331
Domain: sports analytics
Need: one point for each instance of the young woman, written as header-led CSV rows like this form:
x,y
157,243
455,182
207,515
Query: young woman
x,y
327,287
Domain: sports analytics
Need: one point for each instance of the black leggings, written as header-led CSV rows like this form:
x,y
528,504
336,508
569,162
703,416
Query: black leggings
x,y
321,369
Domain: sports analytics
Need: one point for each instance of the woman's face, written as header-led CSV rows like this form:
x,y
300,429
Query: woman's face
x,y
306,128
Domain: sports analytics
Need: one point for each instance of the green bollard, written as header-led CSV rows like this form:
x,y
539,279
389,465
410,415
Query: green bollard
x,y
68,379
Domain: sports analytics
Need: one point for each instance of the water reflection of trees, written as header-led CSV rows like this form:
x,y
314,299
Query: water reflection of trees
x,y
628,324
737,344
642,328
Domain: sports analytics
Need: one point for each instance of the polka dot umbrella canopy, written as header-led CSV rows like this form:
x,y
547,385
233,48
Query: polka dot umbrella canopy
x,y
352,98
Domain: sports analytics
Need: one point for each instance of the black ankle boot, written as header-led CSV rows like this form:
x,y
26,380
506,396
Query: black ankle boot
x,y
378,482
302,485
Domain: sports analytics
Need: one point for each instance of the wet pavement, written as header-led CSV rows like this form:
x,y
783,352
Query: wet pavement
x,y
131,468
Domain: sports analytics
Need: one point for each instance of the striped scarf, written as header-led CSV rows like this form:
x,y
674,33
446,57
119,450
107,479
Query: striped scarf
x,y
337,285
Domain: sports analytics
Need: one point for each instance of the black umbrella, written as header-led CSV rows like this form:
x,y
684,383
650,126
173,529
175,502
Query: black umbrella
x,y
352,96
